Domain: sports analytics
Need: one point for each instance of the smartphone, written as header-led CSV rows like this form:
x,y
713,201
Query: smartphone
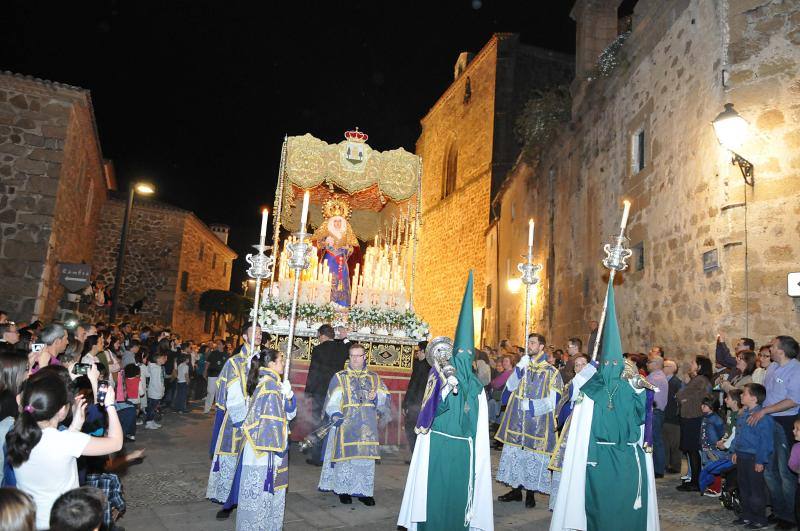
x,y
102,389
81,369
37,347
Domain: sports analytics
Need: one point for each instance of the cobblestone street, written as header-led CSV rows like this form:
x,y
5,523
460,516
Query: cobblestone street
x,y
167,491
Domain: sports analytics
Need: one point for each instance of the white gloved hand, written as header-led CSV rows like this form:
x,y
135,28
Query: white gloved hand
x,y
524,361
452,381
286,389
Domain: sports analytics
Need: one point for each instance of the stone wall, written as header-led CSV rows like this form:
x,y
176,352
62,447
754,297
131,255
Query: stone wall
x,y
208,263
478,123
682,62
163,243
52,188
152,256
451,237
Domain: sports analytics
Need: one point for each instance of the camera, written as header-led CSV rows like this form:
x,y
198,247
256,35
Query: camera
x,y
102,390
37,347
81,369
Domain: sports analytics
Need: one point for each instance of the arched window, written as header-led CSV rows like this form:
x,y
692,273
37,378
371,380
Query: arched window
x,y
450,170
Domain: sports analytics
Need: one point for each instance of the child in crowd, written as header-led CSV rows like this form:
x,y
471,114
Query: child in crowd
x,y
711,431
717,462
44,458
794,466
79,509
17,510
752,450
182,384
155,388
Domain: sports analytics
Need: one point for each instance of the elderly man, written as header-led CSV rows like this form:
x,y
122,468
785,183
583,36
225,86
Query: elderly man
x,y
356,396
656,376
671,427
55,340
327,358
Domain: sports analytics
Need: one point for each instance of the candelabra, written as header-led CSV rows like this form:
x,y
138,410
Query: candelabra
x,y
298,261
528,276
261,267
615,260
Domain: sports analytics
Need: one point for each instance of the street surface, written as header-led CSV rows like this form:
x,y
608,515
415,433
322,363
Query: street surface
x,y
167,491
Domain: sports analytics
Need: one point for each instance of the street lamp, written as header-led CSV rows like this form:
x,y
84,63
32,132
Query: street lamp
x,y
732,130
144,189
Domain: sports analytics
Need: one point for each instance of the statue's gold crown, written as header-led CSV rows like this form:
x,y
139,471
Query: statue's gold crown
x,y
335,207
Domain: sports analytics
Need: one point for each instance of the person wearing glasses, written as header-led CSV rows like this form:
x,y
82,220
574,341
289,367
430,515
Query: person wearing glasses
x,y
763,361
356,397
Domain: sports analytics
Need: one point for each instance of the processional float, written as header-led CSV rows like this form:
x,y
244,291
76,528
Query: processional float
x,y
346,226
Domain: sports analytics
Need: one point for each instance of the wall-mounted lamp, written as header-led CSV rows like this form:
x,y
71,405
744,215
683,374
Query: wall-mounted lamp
x,y
514,284
732,130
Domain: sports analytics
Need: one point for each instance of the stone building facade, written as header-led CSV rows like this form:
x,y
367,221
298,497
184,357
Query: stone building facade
x,y
467,146
711,254
171,259
52,188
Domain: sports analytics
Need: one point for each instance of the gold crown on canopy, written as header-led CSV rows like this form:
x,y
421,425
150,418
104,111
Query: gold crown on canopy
x,y
336,207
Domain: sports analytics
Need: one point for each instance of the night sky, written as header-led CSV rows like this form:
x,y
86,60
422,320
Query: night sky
x,y
196,96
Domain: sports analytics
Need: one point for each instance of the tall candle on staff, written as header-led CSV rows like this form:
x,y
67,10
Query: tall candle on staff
x,y
530,239
625,213
304,215
264,217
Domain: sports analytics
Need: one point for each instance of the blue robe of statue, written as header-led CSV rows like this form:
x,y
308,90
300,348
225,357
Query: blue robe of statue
x,y
336,258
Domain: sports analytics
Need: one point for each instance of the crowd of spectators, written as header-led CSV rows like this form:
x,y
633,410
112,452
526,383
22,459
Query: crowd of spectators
x,y
71,398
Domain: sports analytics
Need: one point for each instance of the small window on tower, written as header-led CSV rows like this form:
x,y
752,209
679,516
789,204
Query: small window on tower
x,y
638,256
202,251
184,281
214,261
638,152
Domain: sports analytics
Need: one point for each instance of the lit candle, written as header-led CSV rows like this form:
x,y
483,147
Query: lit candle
x,y
625,216
264,218
304,215
530,233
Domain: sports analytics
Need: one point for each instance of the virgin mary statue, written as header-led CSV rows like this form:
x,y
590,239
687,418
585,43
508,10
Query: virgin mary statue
x,y
336,239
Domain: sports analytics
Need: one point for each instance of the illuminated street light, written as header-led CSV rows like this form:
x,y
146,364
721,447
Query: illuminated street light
x,y
143,188
732,131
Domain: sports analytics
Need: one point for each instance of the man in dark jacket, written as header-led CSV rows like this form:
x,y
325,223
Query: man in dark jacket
x,y
327,359
412,401
671,429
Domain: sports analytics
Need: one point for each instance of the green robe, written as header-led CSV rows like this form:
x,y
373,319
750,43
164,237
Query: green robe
x,y
617,469
449,472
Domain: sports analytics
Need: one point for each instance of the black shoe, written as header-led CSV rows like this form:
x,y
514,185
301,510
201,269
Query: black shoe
x,y
345,499
754,525
313,463
369,501
659,476
512,495
223,514
772,519
688,487
740,521
782,524
530,499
